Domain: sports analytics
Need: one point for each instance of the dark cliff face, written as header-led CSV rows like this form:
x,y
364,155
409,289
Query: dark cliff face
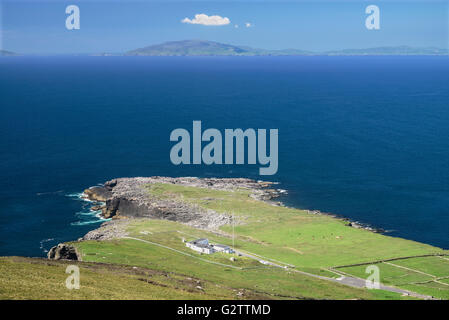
x,y
116,206
126,208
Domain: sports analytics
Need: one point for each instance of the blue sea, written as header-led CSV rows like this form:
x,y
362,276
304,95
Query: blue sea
x,y
363,137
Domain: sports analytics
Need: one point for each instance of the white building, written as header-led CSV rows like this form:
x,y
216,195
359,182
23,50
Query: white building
x,y
201,245
222,248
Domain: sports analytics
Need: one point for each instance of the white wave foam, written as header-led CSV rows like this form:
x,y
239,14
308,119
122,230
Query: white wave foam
x,y
42,242
88,213
83,223
90,216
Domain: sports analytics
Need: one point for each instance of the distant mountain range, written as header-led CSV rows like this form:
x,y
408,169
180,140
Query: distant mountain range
x,y
211,48
7,53
399,50
207,48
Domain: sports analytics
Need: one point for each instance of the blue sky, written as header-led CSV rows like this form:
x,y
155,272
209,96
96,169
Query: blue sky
x,y
117,26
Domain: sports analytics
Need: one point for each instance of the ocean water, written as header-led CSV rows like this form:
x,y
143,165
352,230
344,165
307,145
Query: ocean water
x,y
363,137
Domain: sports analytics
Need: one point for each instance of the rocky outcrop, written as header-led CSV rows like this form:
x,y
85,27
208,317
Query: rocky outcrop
x,y
358,225
109,230
98,194
64,252
129,198
349,223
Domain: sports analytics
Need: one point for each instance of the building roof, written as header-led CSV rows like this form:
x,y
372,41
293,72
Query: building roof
x,y
221,246
199,240
198,243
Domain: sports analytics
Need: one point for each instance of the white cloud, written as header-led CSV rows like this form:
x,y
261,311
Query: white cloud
x,y
206,20
248,25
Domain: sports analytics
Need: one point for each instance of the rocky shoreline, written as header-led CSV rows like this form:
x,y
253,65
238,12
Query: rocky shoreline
x,y
129,198
125,198
349,222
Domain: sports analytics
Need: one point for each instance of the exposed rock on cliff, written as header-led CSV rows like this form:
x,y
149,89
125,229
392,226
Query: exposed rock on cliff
x,y
129,197
98,193
109,230
64,252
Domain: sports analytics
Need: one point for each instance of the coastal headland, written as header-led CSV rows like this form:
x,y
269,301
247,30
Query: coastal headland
x,y
278,252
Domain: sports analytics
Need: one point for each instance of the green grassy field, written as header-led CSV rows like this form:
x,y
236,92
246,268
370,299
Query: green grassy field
x,y
285,236
389,275
435,266
295,236
427,275
269,281
310,243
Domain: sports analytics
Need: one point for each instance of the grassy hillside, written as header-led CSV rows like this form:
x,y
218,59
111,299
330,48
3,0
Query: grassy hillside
x,y
28,278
